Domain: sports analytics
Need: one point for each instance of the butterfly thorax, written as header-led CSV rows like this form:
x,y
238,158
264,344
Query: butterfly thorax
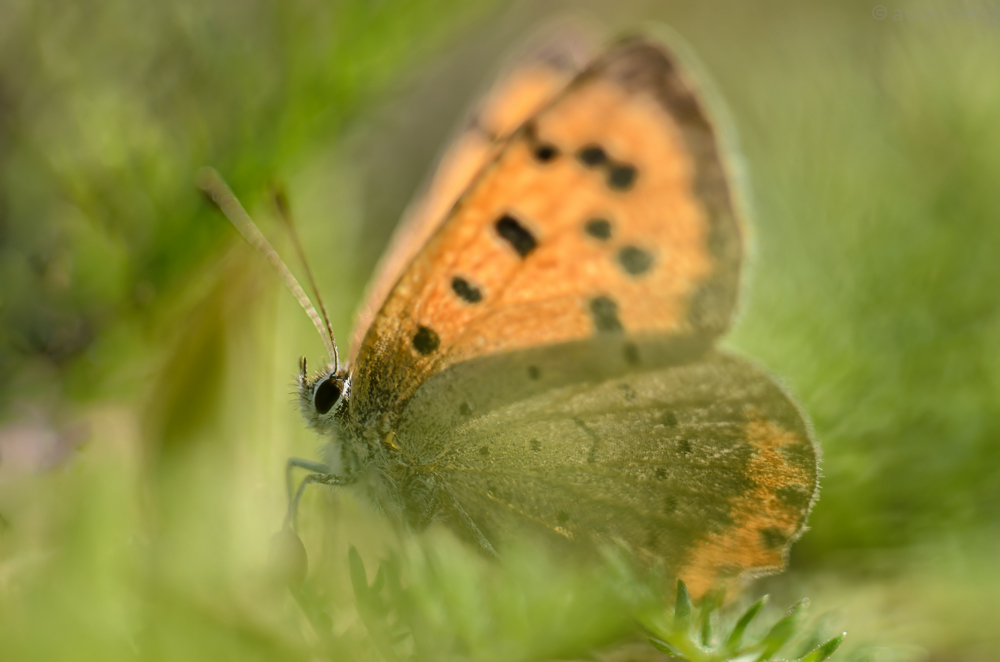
x,y
365,448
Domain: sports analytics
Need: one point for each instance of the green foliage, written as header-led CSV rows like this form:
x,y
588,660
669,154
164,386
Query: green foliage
x,y
397,627
675,636
422,605
102,132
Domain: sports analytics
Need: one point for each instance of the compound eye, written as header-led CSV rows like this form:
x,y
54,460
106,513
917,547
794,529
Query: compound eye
x,y
326,395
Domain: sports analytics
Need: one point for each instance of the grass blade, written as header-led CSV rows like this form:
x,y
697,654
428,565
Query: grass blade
x,y
682,608
736,636
824,651
782,631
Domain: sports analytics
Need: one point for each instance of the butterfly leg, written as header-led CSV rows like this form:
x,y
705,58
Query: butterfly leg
x,y
287,551
319,478
301,463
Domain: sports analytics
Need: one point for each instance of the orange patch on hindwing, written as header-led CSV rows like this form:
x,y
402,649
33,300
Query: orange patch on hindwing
x,y
765,519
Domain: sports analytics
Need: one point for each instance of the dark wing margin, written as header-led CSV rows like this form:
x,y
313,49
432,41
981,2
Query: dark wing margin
x,y
636,63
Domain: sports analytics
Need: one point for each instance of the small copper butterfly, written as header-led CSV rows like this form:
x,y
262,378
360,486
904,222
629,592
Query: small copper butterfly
x,y
536,352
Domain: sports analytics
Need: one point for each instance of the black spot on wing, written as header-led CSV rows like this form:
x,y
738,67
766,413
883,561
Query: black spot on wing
x,y
592,156
622,176
545,153
605,314
426,341
772,537
795,497
634,260
598,228
520,239
466,290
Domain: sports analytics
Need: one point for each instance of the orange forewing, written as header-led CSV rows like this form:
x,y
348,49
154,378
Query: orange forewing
x,y
531,82
538,279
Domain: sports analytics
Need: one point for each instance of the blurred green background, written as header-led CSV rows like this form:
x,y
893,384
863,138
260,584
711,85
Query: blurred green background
x,y
147,355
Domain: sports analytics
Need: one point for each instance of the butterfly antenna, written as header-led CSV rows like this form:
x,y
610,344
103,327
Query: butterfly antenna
x,y
285,214
212,184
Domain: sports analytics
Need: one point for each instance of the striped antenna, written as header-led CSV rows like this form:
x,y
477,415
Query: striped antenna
x,y
212,184
285,214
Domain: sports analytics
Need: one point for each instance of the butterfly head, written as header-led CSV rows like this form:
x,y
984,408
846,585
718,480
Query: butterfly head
x,y
322,396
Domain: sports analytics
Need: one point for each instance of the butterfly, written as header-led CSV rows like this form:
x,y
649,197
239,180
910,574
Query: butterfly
x,y
536,354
